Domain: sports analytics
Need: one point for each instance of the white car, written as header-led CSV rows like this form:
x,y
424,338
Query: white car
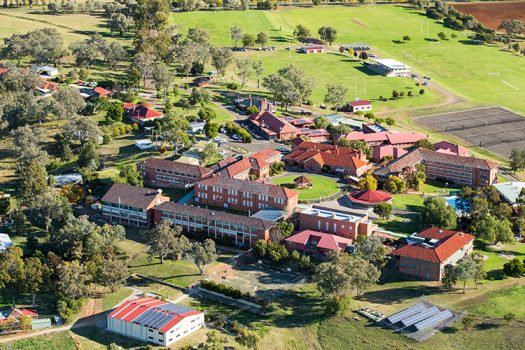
x,y
236,137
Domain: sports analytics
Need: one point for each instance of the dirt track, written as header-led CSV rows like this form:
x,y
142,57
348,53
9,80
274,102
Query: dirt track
x,y
491,14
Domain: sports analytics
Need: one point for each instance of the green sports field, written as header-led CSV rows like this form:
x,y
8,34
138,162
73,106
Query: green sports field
x,y
482,74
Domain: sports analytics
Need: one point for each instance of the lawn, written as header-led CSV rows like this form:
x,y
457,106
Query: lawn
x,y
495,78
410,202
110,300
322,186
55,341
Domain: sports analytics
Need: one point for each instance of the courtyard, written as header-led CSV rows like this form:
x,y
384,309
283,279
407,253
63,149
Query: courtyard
x,y
322,186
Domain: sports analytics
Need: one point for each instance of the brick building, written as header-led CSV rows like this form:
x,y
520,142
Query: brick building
x,y
240,230
316,158
338,222
244,195
130,205
255,167
167,173
467,171
429,251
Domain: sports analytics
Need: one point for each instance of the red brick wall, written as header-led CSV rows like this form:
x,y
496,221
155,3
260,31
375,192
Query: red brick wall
x,y
329,225
425,270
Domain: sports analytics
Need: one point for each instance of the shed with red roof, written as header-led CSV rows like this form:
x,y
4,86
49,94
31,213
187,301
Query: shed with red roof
x,y
154,321
359,106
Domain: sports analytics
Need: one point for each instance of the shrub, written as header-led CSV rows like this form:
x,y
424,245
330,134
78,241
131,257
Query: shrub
x,y
106,139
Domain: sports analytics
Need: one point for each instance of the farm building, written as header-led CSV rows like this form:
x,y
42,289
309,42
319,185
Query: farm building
x,y
360,106
45,70
312,49
154,321
390,67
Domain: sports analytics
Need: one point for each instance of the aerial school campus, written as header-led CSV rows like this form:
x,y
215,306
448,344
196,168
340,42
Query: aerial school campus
x,y
262,175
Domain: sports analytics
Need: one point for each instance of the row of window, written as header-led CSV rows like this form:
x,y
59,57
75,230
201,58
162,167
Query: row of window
x,y
175,173
122,206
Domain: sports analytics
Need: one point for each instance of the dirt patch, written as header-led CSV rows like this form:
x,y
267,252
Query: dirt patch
x,y
359,23
491,14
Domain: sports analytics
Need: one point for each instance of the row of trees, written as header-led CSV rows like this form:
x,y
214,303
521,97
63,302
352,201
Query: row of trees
x,y
247,40
167,241
327,34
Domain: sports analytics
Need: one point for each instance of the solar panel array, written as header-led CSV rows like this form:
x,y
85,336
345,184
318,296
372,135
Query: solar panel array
x,y
159,316
406,313
434,320
420,316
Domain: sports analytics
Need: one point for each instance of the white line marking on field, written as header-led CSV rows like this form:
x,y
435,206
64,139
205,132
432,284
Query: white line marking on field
x,y
509,84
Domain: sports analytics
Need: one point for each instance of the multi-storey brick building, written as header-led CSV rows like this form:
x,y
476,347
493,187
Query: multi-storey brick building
x,y
467,171
244,195
429,251
130,205
255,167
241,230
168,173
342,223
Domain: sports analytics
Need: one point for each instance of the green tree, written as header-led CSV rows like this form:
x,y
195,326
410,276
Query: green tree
x,y
130,175
235,35
327,34
258,69
450,276
436,212
424,143
321,122
73,280
249,339
395,184
221,58
248,40
161,240
207,114
514,268
112,273
372,250
262,39
244,71
479,272
12,272
211,129
203,254
383,210
301,32
162,78
114,113
335,95
35,275
214,341
88,156
368,182
33,180
209,153
512,27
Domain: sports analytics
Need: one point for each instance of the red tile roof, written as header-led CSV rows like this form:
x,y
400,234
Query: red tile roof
x,y
449,242
3,70
324,240
271,122
452,148
239,167
335,160
392,138
17,313
101,91
141,112
359,103
369,197
263,157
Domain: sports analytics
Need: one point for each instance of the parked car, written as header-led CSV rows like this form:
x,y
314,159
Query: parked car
x,y
57,320
283,150
373,55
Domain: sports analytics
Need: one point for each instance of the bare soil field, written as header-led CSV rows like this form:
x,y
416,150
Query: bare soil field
x,y
491,14
495,129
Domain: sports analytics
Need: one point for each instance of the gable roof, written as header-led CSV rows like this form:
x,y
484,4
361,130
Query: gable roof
x,y
136,197
152,313
271,190
174,166
412,158
448,243
336,160
268,120
141,112
359,103
449,147
101,91
194,211
324,240
393,138
239,167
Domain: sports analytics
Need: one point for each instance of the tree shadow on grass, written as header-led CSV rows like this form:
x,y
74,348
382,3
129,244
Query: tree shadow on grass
x,y
398,295
486,326
367,71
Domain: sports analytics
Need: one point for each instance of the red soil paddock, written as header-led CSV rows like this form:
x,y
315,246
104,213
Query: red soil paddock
x,y
491,14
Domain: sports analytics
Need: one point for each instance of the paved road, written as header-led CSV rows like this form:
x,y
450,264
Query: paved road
x,y
98,320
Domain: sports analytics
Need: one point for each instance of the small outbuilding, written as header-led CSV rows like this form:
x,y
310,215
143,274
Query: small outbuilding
x,y
302,182
5,241
45,70
359,106
145,144
312,49
369,198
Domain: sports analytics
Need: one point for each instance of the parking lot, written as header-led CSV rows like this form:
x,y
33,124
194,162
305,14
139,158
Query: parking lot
x,y
495,129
